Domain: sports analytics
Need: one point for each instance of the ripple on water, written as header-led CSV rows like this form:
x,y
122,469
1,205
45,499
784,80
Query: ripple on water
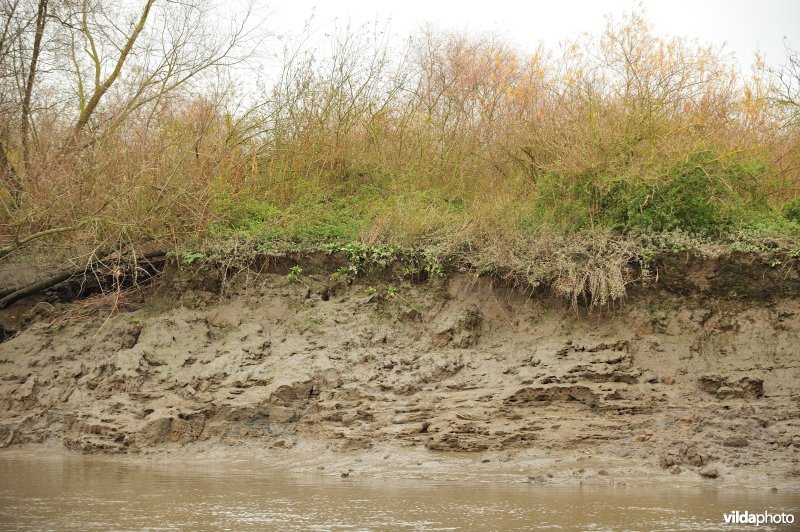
x,y
89,493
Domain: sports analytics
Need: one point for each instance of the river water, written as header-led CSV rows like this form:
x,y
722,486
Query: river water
x,y
97,493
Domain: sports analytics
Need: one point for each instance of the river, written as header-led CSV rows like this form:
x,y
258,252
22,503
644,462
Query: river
x,y
103,493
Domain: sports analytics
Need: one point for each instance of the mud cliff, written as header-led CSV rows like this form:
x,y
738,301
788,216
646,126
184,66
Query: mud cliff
x,y
697,375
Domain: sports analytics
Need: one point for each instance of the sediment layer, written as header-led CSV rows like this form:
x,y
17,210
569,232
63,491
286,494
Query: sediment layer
x,y
686,381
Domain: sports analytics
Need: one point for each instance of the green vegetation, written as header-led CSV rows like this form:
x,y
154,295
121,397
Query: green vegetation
x,y
792,210
567,169
294,274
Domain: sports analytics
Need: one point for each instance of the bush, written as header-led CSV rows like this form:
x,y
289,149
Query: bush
x,y
564,201
702,196
792,210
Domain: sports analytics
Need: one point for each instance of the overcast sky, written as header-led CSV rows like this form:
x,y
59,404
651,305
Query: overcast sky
x,y
745,26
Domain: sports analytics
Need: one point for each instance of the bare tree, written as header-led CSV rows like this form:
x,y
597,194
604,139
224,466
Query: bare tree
x,y
41,20
170,45
102,87
786,90
81,69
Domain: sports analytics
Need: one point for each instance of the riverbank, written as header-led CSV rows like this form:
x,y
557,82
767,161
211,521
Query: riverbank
x,y
692,379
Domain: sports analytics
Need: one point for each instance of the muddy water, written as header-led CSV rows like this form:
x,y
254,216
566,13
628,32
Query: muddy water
x,y
72,492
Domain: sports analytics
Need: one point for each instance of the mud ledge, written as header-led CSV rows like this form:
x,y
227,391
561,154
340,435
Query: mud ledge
x,y
389,462
693,379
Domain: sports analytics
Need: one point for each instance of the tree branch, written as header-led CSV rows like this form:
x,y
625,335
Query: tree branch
x,y
100,90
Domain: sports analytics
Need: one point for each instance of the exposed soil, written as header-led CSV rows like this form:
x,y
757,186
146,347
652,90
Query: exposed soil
x,y
685,381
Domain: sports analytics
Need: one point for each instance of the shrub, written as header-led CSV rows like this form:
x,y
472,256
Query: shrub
x,y
792,210
701,196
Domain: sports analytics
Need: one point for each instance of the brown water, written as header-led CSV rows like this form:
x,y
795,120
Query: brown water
x,y
73,492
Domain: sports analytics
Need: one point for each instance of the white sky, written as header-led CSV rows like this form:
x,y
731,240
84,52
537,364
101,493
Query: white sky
x,y
744,26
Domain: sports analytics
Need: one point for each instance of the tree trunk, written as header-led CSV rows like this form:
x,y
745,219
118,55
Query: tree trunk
x,y
41,20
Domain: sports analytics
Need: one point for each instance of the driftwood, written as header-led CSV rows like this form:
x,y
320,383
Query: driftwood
x,y
12,295
9,289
